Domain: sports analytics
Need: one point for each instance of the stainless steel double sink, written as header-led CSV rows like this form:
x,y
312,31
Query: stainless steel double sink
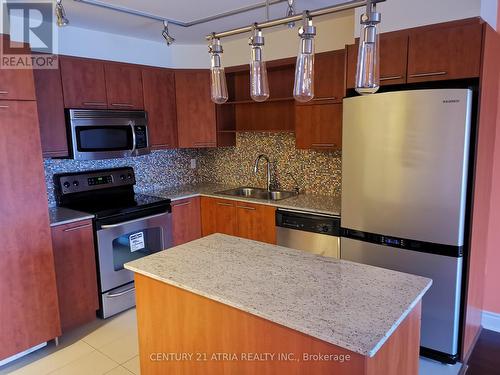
x,y
258,193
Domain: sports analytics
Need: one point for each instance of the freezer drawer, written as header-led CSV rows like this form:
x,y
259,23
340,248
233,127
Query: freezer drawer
x,y
441,304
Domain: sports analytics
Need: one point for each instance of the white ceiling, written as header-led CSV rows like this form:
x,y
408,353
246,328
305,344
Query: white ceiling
x,y
96,18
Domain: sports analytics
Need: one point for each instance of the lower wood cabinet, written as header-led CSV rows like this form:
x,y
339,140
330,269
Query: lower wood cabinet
x,y
75,265
186,220
318,126
236,218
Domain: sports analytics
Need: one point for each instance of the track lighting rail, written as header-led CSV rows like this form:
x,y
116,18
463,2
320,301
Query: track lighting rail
x,y
285,20
151,16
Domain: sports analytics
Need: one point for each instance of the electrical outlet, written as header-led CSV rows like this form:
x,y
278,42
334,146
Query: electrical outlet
x,y
193,163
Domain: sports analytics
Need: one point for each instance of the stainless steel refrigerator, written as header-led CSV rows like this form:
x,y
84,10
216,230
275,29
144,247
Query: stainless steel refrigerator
x,y
404,192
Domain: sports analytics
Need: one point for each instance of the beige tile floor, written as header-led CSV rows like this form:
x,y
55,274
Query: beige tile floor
x,y
110,347
101,347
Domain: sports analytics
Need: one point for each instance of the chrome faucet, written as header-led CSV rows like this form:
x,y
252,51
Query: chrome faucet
x,y
256,169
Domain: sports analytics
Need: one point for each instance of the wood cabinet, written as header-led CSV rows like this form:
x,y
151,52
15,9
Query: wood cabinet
x,y
393,59
329,77
445,52
318,127
238,218
186,220
196,116
15,84
256,222
84,84
124,86
75,265
159,102
430,53
218,216
50,102
29,307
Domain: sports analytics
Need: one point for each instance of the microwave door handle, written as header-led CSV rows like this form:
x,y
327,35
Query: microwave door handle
x,y
134,139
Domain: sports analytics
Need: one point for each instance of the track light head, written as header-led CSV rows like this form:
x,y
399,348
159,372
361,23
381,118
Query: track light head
x,y
290,11
165,33
61,18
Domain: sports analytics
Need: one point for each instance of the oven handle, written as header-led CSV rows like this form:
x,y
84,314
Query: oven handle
x,y
113,295
132,221
134,138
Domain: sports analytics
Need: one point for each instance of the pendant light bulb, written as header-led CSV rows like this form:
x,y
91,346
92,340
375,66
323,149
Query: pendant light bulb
x,y
218,86
368,69
61,18
259,86
303,90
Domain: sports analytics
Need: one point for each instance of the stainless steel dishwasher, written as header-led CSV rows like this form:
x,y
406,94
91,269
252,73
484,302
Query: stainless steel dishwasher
x,y
314,233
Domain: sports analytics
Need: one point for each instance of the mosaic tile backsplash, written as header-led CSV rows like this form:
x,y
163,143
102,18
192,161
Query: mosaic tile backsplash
x,y
316,172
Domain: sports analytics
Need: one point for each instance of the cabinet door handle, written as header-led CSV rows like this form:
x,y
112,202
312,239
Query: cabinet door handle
x,y
328,98
247,208
94,103
77,228
205,144
224,204
181,204
324,145
3,92
4,106
390,78
122,105
417,75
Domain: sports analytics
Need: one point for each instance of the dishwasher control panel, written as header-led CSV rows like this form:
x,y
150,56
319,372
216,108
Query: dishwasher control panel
x,y
322,224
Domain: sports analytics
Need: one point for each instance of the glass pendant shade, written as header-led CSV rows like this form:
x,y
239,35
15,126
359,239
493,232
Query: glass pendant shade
x,y
218,85
259,86
303,90
368,70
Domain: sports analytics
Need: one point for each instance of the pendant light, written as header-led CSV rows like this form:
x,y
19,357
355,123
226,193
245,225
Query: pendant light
x,y
217,75
259,86
368,70
303,90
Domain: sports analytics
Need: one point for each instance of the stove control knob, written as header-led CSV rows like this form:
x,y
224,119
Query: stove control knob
x,y
122,177
67,184
76,183
129,176
324,229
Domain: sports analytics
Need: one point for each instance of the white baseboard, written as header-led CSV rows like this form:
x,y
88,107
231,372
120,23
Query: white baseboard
x,y
22,354
491,321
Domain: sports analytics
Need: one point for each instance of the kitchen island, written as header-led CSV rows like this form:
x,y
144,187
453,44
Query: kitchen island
x,y
226,305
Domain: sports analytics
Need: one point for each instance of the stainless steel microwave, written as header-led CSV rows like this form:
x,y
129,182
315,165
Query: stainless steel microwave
x,y
103,134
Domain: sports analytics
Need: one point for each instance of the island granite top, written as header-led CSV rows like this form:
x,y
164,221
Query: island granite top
x,y
350,305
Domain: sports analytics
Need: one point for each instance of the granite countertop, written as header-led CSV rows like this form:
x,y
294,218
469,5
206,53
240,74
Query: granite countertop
x,y
321,204
350,305
60,216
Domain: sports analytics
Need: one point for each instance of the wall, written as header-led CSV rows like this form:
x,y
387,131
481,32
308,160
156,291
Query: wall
x,y
316,172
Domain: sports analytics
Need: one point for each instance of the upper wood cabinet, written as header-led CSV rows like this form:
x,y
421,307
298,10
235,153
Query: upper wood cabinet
x,y
159,103
329,76
186,220
319,126
29,306
393,59
15,84
51,112
124,86
444,52
237,218
84,84
75,265
196,116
